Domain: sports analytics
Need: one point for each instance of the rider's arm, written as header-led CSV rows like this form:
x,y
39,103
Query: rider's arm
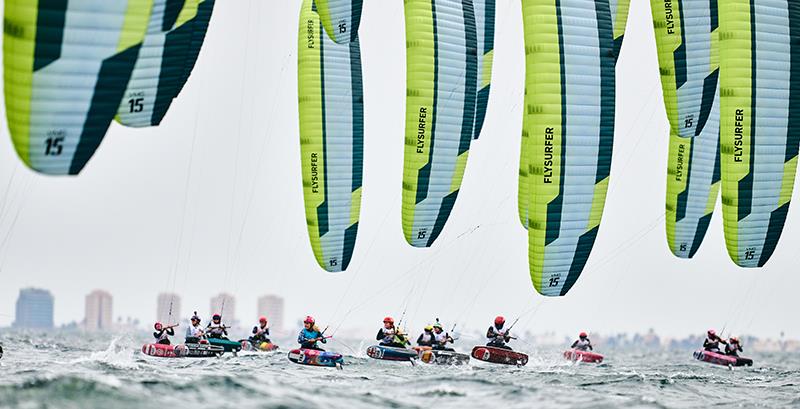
x,y
379,337
490,333
574,344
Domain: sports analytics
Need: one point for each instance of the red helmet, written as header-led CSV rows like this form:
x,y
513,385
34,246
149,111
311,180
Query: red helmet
x,y
582,335
216,317
712,333
158,326
734,340
262,319
390,320
499,320
309,320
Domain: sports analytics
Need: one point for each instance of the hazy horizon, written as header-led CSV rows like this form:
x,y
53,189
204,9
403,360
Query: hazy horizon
x,y
211,202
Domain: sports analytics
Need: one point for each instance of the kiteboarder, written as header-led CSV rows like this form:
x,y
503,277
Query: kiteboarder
x,y
441,338
733,347
389,336
195,332
427,338
260,332
497,337
215,328
162,333
712,341
310,335
582,343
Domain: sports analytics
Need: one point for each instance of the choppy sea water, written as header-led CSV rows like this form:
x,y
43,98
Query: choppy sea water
x,y
110,372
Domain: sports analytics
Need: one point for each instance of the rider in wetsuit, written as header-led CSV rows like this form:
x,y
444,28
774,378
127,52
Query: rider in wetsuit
x,y
733,347
215,328
442,338
582,343
195,332
260,332
427,338
310,335
162,334
712,341
389,336
497,337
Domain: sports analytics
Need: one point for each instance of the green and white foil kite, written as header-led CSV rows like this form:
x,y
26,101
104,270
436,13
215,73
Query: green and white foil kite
x,y
331,139
205,9
156,78
619,20
66,67
693,182
686,38
484,29
570,82
760,110
341,18
441,91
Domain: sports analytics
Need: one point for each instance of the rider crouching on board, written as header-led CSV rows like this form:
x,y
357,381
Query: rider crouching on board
x,y
215,328
310,335
195,332
426,339
712,341
497,337
733,347
442,338
260,332
389,336
162,334
582,343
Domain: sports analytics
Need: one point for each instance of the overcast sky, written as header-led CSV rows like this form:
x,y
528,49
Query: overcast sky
x,y
211,201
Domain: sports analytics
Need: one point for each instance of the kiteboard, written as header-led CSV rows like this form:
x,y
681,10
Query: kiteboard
x,y
313,357
583,356
165,351
499,355
182,350
721,359
391,353
441,357
226,344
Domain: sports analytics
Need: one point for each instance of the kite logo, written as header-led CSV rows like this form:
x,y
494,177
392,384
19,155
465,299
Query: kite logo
x,y
310,43
314,174
423,114
738,136
669,17
548,155
679,168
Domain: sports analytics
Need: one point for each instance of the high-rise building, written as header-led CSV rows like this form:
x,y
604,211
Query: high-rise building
x,y
168,310
272,307
34,309
225,304
98,311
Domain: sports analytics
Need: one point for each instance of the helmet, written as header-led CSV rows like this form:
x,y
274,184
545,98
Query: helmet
x,y
582,335
429,328
262,319
712,333
390,320
216,317
499,320
195,317
438,325
309,320
158,326
734,340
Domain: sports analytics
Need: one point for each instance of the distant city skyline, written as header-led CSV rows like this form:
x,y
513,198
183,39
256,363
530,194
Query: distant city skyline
x,y
272,306
168,308
34,309
225,305
99,311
